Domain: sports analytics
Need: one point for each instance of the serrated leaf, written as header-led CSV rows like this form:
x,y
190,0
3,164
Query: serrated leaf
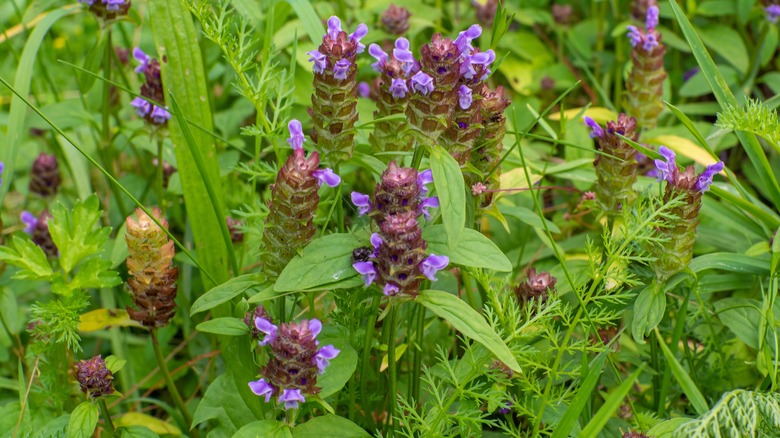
x,y
154,424
467,321
73,231
224,326
28,257
93,274
224,292
450,188
329,426
83,420
100,319
474,249
325,260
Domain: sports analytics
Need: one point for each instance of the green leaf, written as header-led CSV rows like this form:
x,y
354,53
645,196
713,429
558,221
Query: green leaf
x,y
28,257
329,426
114,364
137,432
92,62
224,292
687,385
341,368
73,231
473,250
264,428
649,309
312,24
584,393
83,420
610,405
467,321
731,262
325,260
448,180
224,326
527,216
93,274
223,404
727,43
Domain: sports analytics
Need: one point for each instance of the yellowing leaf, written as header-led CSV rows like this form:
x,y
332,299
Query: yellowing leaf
x,y
684,147
102,318
519,73
515,179
154,424
597,113
399,352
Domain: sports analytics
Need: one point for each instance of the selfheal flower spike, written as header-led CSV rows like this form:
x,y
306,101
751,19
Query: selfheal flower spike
x,y
486,150
94,378
38,230
617,167
644,87
396,19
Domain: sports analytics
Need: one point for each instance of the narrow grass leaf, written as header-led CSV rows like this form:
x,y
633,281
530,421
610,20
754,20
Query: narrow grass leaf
x,y
224,292
566,424
611,404
685,381
312,24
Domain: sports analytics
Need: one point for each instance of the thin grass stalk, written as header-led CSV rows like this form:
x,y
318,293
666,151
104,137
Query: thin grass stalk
x,y
170,383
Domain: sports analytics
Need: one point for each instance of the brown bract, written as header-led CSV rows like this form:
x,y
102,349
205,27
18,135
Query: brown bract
x,y
94,378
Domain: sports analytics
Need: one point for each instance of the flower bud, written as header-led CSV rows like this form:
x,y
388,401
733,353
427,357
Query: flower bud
x,y
152,89
151,276
615,176
94,378
108,9
486,150
250,317
536,287
45,175
396,20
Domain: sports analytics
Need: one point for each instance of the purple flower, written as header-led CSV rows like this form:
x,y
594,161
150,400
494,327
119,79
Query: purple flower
x,y
362,202
327,176
705,179
402,53
324,355
652,18
422,83
141,57
772,13
398,88
376,241
291,397
427,203
315,327
690,73
30,220
482,58
296,134
464,39
358,35
364,90
2,168
666,168
334,27
262,388
341,69
464,97
390,290
649,42
423,179
160,115
266,327
142,107
113,5
377,53
367,270
433,264
596,130
88,2
320,61
634,35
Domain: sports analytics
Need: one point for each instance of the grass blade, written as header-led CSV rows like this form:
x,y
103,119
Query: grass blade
x,y
563,428
685,381
596,424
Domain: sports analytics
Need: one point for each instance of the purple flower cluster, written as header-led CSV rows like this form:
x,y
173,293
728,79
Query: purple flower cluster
x,y
150,90
667,170
296,361
647,39
397,68
363,201
111,5
772,13
334,36
324,176
37,227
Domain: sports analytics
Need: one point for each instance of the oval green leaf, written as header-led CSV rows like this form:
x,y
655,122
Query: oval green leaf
x,y
224,292
323,261
83,420
329,426
224,326
473,250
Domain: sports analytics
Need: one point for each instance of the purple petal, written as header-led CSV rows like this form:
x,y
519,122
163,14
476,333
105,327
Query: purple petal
x,y
652,18
320,61
424,178
367,270
402,53
341,69
398,88
362,202
390,290
425,204
142,107
433,264
666,168
422,83
334,27
596,130
357,35
262,388
364,90
324,355
705,179
30,220
377,53
649,42
772,13
634,35
315,326
141,57
296,134
266,327
2,167
291,397
327,176
113,5
160,115
464,97
376,240
464,39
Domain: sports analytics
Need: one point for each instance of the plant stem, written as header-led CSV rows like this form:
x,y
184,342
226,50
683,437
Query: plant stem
x,y
418,351
391,365
106,416
160,177
366,359
169,381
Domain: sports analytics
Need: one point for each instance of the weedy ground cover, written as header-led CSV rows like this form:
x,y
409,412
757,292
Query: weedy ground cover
x,y
355,218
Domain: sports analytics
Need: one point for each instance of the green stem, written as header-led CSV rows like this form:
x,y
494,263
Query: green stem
x,y
391,365
106,417
169,381
419,149
161,178
418,353
366,359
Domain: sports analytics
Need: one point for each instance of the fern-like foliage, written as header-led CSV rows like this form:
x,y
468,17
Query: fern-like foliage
x,y
738,414
754,117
